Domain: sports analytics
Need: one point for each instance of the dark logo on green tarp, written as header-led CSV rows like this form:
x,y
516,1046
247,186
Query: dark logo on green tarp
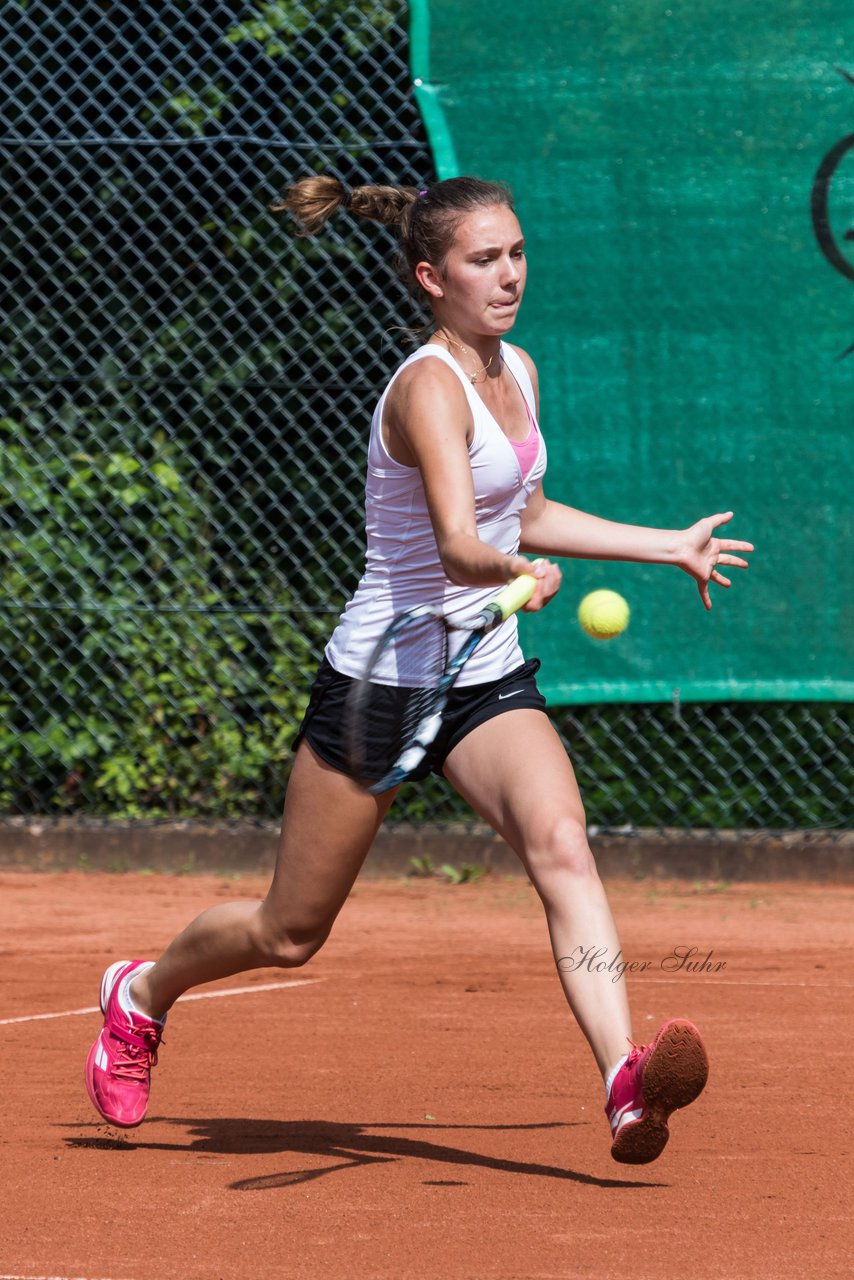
x,y
833,228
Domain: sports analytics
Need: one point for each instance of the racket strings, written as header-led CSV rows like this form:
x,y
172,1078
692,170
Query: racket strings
x,y
421,655
392,704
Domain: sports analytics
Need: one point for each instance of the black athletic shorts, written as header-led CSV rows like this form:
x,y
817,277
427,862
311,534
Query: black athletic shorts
x,y
324,724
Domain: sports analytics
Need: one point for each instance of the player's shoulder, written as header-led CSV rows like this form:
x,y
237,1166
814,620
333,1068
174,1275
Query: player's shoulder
x,y
530,367
426,377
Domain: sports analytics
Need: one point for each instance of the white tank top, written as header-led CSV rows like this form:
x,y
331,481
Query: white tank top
x,y
403,566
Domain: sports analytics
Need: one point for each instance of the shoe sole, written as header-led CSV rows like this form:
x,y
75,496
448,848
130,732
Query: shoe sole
x,y
675,1074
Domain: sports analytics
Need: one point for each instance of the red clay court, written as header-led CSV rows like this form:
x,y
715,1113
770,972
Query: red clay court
x,y
421,1104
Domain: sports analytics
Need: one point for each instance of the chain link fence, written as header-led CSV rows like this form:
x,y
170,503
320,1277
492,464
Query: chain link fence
x,y
186,391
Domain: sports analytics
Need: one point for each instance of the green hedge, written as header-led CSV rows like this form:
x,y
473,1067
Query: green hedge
x,y
166,704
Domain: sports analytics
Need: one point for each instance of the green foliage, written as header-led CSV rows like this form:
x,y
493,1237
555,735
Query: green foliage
x,y
713,766
466,874
189,109
422,866
146,695
277,26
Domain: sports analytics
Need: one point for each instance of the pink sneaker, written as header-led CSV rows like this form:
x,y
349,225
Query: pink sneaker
x,y
118,1068
655,1080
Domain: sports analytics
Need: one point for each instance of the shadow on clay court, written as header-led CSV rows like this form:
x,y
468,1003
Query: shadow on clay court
x,y
350,1146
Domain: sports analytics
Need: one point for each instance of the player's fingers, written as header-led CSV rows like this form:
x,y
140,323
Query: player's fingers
x,y
519,565
734,560
728,544
538,601
551,576
720,579
548,583
703,588
547,588
538,568
723,517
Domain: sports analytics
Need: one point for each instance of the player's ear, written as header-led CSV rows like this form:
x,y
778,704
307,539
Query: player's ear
x,y
430,280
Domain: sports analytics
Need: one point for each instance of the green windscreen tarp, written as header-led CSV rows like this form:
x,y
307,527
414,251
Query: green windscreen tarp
x,y
684,176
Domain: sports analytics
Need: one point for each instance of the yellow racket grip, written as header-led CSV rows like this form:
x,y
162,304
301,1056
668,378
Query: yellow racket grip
x,y
517,594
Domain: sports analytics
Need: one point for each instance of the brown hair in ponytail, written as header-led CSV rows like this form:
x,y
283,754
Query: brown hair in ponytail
x,y
311,202
426,219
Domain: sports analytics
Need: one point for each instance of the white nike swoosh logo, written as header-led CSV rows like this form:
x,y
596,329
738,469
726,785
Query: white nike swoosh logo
x,y
502,696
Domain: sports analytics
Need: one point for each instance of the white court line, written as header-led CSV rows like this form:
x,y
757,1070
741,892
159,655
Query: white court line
x,y
197,995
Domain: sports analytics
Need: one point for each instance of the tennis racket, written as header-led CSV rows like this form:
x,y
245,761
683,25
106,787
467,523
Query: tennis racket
x,y
426,650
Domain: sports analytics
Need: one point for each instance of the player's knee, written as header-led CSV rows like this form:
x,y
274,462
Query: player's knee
x,y
289,948
291,953
564,852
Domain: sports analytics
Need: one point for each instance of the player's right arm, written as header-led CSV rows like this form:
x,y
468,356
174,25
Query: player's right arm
x,y
427,424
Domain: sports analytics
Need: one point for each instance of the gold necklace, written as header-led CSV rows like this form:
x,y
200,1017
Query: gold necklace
x,y
472,377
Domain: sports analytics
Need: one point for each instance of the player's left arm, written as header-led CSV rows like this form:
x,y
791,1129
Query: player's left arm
x,y
553,529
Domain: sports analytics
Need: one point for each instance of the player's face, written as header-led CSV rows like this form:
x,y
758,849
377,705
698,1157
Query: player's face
x,y
484,274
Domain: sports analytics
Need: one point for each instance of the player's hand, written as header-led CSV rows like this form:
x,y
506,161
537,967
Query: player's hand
x,y
701,554
548,576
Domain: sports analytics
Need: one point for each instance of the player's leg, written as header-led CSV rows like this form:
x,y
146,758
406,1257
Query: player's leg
x,y
515,773
328,827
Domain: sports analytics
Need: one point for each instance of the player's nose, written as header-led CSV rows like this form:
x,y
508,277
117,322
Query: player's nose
x,y
512,273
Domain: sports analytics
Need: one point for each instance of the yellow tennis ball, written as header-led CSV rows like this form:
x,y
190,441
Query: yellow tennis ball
x,y
603,614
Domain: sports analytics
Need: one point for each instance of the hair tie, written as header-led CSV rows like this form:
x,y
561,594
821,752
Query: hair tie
x,y
346,196
422,193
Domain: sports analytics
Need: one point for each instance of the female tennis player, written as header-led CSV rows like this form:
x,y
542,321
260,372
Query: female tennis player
x,y
455,507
